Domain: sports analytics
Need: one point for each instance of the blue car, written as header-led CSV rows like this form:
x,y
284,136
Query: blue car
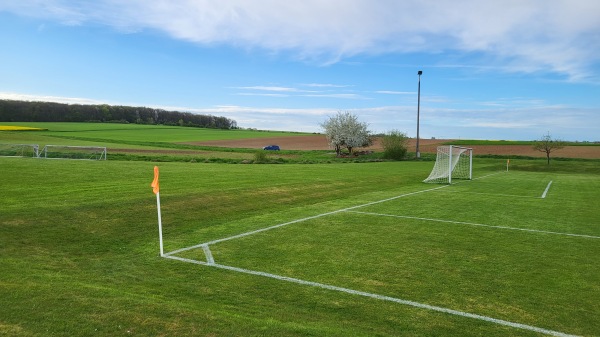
x,y
271,148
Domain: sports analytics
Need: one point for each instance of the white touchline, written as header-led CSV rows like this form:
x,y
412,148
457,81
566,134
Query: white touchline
x,y
379,297
546,190
299,220
478,224
494,194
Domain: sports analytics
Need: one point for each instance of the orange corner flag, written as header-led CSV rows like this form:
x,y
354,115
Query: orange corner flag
x,y
154,185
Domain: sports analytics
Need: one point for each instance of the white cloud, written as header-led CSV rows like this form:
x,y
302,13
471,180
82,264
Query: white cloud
x,y
326,85
337,95
267,88
559,36
261,94
47,98
277,91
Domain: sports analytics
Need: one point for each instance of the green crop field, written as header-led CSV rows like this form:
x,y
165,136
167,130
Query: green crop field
x,y
357,249
116,135
152,142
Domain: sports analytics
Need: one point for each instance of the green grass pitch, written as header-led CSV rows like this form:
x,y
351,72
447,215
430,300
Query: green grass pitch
x,y
491,247
79,249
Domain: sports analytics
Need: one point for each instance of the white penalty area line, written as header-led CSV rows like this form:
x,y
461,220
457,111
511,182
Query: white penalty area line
x,y
478,224
378,297
485,176
546,190
316,216
498,194
488,175
300,220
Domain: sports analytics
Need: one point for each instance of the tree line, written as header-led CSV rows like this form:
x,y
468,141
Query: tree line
x,y
28,111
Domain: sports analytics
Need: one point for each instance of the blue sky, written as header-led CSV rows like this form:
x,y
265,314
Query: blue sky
x,y
491,69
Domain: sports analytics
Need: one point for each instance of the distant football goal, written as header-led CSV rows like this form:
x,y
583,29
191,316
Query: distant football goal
x,y
452,162
19,150
73,152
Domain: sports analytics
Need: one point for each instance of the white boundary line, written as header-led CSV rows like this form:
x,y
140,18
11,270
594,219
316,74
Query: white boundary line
x,y
211,262
209,257
299,220
485,176
546,190
496,194
380,297
478,224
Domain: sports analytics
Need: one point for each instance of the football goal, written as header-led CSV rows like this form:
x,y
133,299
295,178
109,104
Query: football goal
x,y
19,150
452,162
73,152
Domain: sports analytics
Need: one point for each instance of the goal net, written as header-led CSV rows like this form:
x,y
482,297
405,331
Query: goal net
x,y
19,150
73,152
452,162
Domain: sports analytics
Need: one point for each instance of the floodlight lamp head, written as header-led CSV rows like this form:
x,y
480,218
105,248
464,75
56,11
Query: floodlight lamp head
x,y
420,73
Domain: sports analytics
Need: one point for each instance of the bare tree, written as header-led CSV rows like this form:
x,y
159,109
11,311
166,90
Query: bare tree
x,y
547,145
344,130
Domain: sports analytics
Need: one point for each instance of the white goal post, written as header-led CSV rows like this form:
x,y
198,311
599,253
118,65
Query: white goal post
x,y
19,150
73,152
451,162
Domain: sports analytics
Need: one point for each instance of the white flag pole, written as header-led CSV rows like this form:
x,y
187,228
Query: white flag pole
x,y
160,236
156,189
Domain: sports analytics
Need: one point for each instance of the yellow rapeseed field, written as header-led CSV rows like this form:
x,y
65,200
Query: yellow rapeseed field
x,y
18,128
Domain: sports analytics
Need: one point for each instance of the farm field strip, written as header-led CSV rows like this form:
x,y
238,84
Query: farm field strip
x,y
210,260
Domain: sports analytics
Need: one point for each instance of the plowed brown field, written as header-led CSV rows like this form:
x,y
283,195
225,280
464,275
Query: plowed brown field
x,y
319,142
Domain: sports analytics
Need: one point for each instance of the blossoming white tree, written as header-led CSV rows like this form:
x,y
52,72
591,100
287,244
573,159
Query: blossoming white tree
x,y
344,130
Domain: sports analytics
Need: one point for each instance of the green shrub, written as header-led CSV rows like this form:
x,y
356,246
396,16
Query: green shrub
x,y
395,145
260,156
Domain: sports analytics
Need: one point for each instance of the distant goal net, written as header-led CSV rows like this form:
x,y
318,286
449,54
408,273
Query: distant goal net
x,y
452,162
73,152
19,150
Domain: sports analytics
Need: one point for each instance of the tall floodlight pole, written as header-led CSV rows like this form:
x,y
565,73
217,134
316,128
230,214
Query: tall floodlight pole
x,y
418,112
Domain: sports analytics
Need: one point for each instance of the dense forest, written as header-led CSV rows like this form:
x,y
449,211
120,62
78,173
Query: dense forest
x,y
26,111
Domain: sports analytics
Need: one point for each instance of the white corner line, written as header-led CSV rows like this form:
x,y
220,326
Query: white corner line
x,y
380,297
479,225
182,259
546,190
209,257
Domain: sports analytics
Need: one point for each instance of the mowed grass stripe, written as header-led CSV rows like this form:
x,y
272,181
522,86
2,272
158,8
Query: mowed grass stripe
x,y
376,296
79,249
515,277
568,209
476,224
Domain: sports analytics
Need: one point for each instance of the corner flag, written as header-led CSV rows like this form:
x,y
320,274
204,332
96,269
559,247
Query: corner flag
x,y
155,185
155,189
